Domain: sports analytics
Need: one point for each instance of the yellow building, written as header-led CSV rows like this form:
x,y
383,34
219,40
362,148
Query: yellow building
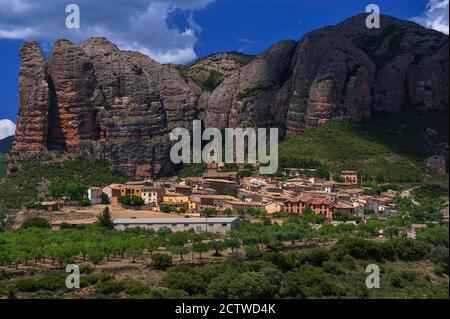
x,y
149,194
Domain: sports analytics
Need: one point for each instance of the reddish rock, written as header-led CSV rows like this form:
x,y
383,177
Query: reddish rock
x,y
32,122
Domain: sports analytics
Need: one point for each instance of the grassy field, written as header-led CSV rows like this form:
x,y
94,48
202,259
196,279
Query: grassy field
x,y
392,146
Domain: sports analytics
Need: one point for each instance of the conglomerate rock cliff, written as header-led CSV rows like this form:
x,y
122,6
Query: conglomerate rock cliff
x,y
96,101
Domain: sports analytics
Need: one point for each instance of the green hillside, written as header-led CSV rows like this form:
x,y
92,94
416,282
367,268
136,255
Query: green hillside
x,y
33,181
3,164
391,147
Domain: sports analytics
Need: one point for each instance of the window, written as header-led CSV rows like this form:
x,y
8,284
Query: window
x,y
224,225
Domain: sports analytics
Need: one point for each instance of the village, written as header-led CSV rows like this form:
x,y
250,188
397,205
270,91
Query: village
x,y
219,200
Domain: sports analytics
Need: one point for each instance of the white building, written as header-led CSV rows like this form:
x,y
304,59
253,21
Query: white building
x,y
199,225
95,195
152,195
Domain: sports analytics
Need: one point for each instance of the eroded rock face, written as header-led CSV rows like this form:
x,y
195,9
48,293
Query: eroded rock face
x,y
103,103
32,122
72,84
346,71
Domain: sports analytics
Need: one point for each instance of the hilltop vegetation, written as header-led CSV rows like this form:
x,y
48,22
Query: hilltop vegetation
x,y
392,147
210,71
34,180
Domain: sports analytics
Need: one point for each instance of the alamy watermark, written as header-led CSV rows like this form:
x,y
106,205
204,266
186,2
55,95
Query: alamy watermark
x,y
73,280
73,19
373,279
373,20
241,146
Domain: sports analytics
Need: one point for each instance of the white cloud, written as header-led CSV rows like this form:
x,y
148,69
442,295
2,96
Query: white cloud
x,y
133,25
436,16
7,128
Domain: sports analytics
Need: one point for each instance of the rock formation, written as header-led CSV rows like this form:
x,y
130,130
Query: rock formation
x,y
96,101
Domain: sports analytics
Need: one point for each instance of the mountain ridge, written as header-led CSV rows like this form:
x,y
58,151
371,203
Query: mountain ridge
x,y
96,101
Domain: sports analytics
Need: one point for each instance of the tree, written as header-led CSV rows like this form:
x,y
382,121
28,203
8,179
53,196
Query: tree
x,y
153,244
200,248
135,249
132,201
253,252
168,209
179,250
96,256
310,217
105,199
232,243
105,219
391,231
218,246
161,261
36,222
228,212
179,238
208,211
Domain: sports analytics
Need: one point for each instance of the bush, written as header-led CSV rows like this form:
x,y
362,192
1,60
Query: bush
x,y
52,282
131,201
333,267
161,261
85,202
105,199
315,257
253,252
86,269
65,226
408,249
309,282
360,248
36,222
400,279
93,279
439,256
96,256
175,294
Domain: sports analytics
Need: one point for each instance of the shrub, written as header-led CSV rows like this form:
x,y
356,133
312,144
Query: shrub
x,y
96,256
360,248
400,279
333,267
132,201
105,199
161,261
315,257
409,250
36,222
253,252
65,226
93,279
85,202
109,287
168,294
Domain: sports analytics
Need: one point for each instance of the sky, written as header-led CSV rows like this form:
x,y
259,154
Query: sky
x,y
179,31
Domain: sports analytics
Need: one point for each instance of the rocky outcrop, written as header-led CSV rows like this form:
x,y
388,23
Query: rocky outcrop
x,y
224,64
104,103
99,102
249,96
346,71
34,102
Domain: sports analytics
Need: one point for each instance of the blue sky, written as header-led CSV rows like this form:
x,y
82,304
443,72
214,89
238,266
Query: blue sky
x,y
179,30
